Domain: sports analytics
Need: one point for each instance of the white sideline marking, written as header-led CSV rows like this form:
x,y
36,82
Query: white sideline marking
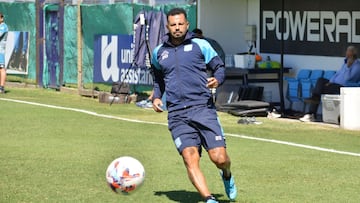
x,y
164,124
294,144
83,111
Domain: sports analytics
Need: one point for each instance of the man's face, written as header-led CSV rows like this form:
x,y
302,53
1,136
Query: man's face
x,y
349,53
177,26
1,19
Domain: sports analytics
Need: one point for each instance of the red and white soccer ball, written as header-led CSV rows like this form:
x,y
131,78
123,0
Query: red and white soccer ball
x,y
125,174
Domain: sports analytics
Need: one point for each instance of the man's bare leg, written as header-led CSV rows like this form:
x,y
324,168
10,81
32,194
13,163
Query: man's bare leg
x,y
191,159
2,77
221,159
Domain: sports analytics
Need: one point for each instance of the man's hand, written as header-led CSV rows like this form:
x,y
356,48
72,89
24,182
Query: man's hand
x,y
157,104
350,61
212,83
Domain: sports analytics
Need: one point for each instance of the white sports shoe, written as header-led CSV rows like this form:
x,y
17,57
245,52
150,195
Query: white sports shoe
x,y
273,114
308,118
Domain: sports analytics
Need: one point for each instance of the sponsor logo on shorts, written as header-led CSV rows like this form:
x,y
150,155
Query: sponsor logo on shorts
x,y
219,137
178,142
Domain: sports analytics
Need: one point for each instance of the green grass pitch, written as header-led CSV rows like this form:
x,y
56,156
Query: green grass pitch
x,y
58,155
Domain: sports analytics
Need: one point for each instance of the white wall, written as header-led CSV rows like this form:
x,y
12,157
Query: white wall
x,y
225,21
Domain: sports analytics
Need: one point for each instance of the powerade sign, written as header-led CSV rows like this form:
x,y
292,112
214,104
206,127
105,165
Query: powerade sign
x,y
113,56
311,27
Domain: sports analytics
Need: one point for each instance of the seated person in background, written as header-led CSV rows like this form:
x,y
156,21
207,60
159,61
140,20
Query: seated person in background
x,y
199,34
348,73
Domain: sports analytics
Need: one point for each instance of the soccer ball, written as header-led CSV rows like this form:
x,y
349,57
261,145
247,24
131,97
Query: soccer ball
x,y
125,174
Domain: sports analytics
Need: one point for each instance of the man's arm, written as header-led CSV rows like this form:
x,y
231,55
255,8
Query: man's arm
x,y
212,60
353,74
3,30
2,35
217,66
159,83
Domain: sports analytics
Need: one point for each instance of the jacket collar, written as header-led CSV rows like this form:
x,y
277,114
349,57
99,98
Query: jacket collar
x,y
189,35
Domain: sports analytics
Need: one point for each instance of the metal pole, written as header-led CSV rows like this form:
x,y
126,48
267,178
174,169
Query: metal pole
x,y
79,48
281,83
61,43
37,41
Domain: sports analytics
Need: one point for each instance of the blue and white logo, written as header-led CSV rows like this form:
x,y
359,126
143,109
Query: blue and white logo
x,y
113,56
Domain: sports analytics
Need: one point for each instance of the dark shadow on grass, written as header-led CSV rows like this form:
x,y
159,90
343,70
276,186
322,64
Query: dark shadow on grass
x,y
183,196
6,91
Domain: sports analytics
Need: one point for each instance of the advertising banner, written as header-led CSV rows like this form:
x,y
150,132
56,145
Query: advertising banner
x,y
113,57
311,27
16,52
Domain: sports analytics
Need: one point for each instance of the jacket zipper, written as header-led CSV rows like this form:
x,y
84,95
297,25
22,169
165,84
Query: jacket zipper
x,y
178,76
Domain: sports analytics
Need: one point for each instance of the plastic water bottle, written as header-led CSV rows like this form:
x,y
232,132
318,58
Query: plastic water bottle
x,y
268,62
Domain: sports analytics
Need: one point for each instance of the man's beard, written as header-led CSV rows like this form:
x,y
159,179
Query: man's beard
x,y
178,35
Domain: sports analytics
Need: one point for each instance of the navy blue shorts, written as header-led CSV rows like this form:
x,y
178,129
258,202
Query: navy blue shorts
x,y
197,126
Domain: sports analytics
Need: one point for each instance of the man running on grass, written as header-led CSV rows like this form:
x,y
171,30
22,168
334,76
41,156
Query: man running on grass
x,y
180,65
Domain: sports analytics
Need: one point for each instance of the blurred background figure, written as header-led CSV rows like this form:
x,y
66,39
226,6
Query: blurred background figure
x,y
199,33
3,36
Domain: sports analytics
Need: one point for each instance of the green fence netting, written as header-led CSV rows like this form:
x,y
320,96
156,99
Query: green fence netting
x,y
22,17
96,19
70,45
102,19
115,19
